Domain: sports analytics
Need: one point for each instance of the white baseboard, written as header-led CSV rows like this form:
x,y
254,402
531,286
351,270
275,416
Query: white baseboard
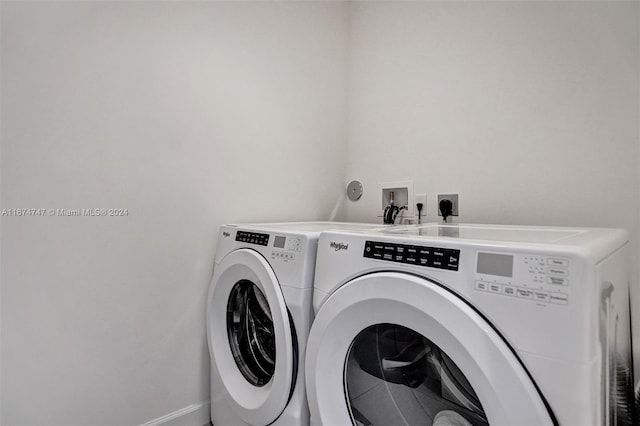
x,y
193,415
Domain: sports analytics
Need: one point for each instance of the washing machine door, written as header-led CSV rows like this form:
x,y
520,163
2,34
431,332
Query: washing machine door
x,y
250,337
404,350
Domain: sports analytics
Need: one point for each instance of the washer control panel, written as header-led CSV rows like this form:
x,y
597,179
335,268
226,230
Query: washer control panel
x,y
252,238
286,247
536,278
433,257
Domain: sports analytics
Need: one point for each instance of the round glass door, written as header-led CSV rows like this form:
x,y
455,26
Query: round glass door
x,y
251,338
396,376
250,332
389,348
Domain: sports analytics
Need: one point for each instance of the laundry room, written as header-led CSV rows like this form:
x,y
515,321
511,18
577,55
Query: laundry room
x,y
131,131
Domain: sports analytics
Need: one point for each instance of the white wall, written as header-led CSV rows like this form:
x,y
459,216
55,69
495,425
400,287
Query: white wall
x,y
189,115
192,114
528,110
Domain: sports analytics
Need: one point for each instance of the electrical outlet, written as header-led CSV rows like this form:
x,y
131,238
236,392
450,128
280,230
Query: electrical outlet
x,y
421,199
454,201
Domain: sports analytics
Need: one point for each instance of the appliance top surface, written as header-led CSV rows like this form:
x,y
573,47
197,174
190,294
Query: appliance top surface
x,y
489,233
310,227
508,234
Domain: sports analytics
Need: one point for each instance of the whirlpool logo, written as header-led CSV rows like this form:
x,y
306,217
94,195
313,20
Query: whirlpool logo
x,y
338,246
226,234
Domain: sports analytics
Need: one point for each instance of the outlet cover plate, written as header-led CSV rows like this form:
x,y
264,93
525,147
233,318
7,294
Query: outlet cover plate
x,y
454,202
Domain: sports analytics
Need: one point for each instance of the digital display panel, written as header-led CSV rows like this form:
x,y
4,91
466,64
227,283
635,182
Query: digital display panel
x,y
495,264
278,242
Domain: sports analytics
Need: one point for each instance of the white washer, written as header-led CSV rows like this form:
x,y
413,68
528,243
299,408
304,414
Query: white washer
x,y
259,312
478,324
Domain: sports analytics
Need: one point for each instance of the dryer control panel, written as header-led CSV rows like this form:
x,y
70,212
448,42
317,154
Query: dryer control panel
x,y
433,257
532,277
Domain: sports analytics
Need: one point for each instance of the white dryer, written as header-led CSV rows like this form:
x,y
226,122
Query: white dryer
x,y
471,325
259,312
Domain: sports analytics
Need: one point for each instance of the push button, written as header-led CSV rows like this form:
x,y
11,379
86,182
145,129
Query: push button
x,y
541,296
524,293
558,280
481,285
495,288
554,261
559,298
509,290
558,272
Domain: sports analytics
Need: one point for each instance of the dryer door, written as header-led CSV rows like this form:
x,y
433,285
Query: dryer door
x,y
406,351
250,337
